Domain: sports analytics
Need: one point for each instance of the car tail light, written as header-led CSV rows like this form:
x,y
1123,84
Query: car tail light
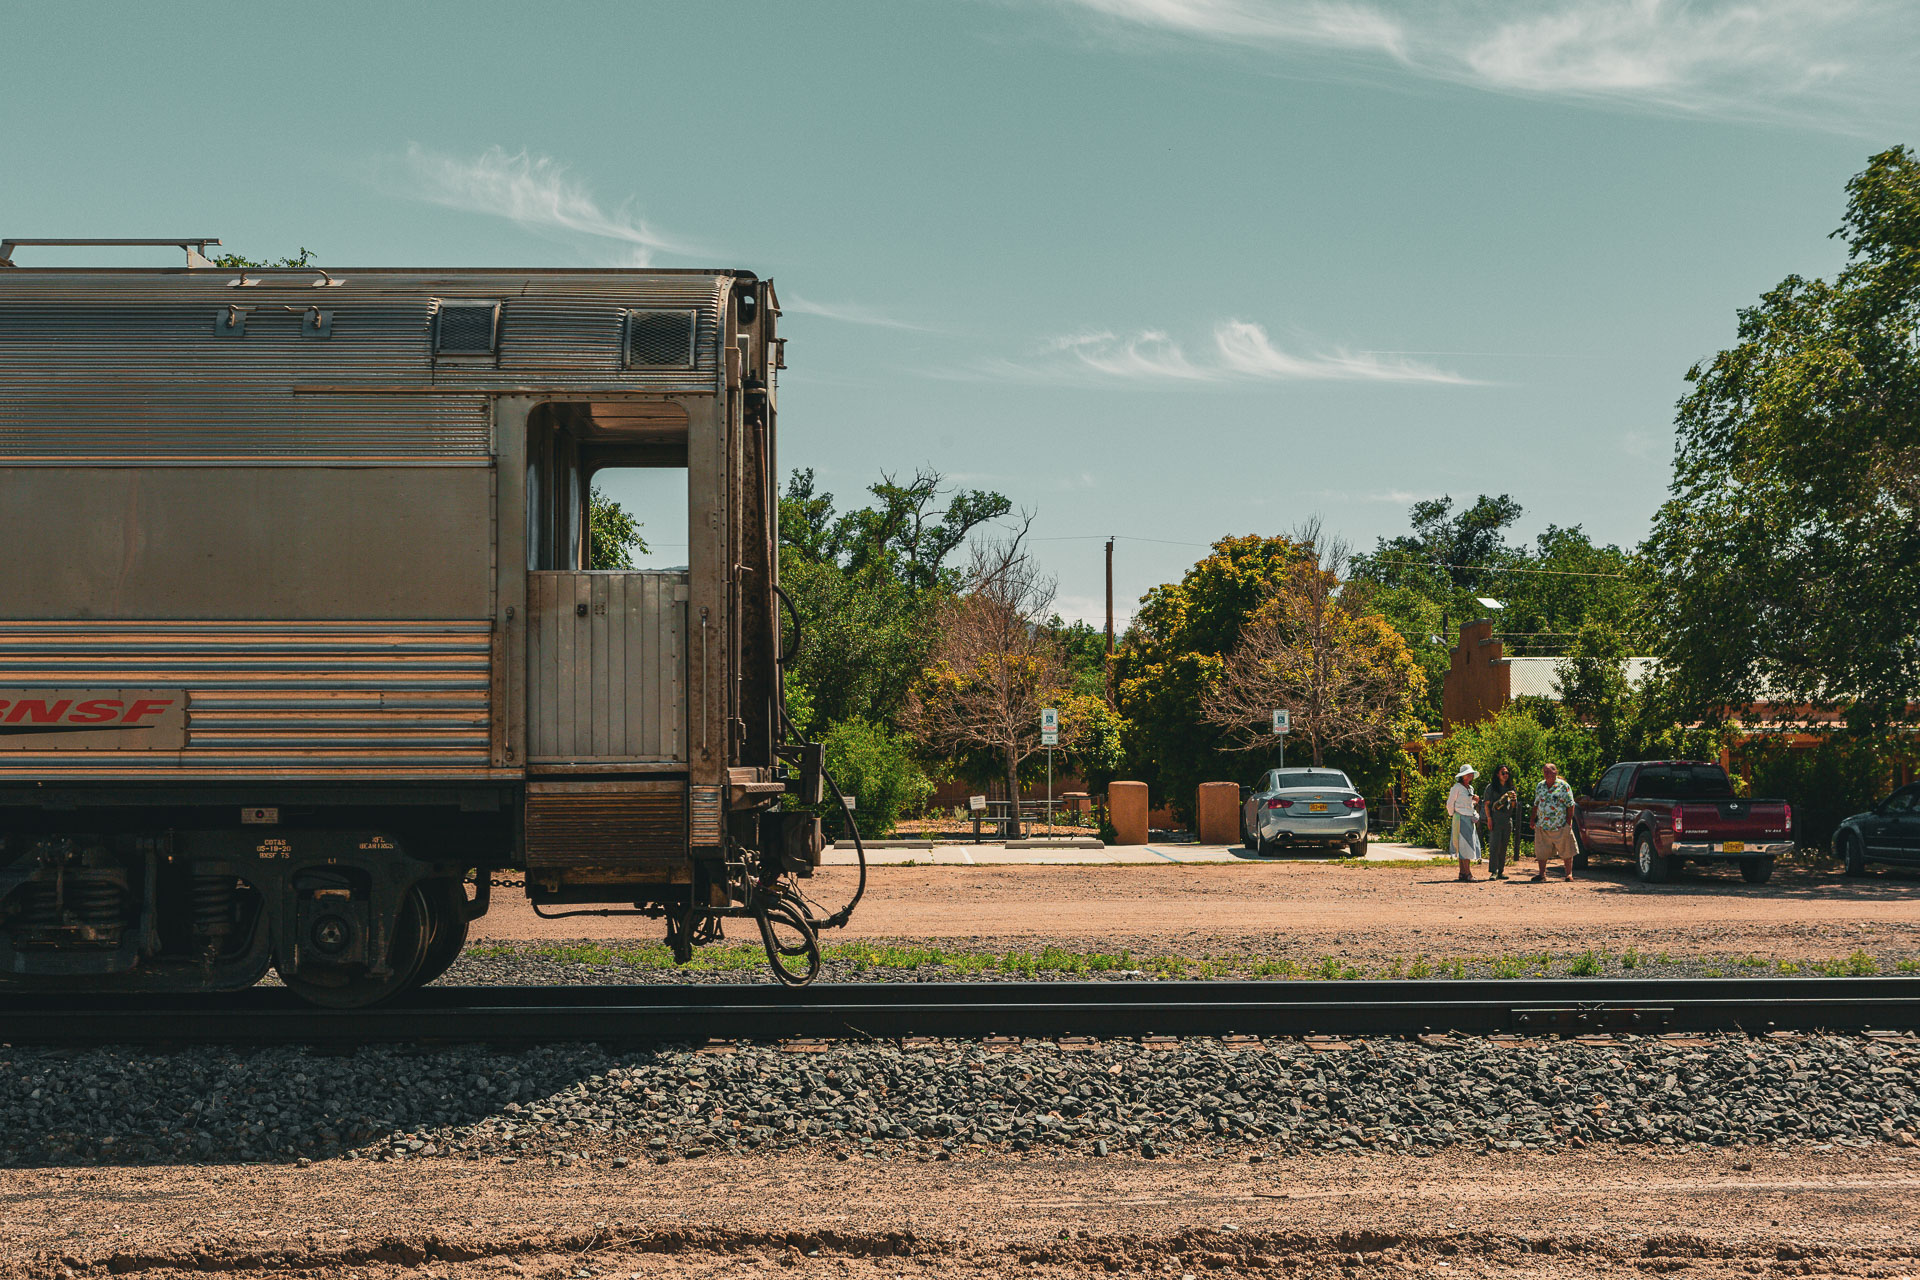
x,y
1279,804
1679,811
1787,824
1356,802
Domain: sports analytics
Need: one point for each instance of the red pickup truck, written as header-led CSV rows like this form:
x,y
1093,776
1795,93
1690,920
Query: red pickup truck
x,y
1663,812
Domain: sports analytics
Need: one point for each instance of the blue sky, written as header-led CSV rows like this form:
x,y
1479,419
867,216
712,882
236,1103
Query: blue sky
x,y
1164,269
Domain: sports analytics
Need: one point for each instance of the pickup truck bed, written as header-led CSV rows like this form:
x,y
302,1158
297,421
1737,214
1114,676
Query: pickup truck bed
x,y
1663,812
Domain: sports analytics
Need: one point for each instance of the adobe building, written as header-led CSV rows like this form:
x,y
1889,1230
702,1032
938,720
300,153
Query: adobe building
x,y
1481,679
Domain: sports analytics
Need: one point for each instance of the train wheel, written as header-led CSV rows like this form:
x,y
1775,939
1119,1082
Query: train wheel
x,y
447,915
353,987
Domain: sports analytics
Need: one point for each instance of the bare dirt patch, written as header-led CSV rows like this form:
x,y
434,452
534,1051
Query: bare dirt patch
x,y
1364,913
1585,1213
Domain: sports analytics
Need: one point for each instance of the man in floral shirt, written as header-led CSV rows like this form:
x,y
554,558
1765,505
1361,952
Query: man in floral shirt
x,y
1553,821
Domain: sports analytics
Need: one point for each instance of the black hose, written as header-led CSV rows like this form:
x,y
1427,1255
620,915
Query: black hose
x,y
779,906
840,917
788,655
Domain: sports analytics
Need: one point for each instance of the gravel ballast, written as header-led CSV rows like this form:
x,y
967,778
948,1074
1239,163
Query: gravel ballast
x,y
1252,1099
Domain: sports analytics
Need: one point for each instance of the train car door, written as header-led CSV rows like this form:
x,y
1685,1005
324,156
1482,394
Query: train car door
x,y
606,646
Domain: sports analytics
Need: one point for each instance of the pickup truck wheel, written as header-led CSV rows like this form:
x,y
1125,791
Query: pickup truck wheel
x,y
1756,870
1855,852
1654,866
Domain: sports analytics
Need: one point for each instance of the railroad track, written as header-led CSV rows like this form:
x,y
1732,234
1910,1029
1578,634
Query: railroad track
x,y
888,1011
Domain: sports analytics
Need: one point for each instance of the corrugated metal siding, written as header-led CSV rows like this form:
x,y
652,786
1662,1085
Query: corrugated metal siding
x,y
134,380
609,683
606,825
128,365
271,699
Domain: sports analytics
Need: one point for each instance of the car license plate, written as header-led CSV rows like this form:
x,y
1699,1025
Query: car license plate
x,y
1316,808
1734,846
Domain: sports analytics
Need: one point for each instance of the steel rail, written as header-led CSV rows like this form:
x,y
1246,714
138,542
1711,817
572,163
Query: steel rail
x,y
894,1010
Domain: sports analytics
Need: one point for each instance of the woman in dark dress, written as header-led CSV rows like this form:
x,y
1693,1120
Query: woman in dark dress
x,y
1500,803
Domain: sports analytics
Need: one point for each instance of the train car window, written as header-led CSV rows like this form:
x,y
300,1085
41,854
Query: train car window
x,y
655,498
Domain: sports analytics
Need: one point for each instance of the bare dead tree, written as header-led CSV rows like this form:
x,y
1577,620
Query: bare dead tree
x,y
1313,649
993,665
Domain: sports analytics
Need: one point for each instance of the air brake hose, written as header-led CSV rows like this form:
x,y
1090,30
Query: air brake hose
x,y
840,917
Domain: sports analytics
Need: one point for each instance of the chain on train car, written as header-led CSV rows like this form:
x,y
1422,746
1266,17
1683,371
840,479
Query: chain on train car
x,y
299,651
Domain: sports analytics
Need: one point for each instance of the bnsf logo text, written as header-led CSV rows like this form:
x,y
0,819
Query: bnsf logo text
x,y
113,713
96,719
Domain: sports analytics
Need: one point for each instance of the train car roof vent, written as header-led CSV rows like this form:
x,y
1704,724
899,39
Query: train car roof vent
x,y
660,339
466,328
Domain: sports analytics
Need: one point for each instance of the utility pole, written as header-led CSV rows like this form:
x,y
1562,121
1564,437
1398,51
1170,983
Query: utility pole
x,y
1109,597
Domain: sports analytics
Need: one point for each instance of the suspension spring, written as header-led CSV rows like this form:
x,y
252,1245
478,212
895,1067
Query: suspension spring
x,y
99,901
213,906
39,904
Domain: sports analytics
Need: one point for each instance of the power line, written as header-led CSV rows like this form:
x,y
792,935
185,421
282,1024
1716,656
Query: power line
x,y
1496,568
1437,564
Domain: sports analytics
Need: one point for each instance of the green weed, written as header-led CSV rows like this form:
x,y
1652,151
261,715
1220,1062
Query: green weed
x,y
1585,965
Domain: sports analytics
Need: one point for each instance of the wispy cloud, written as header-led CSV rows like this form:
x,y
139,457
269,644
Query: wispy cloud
x,y
847,312
1344,26
536,192
1240,351
1244,348
1732,57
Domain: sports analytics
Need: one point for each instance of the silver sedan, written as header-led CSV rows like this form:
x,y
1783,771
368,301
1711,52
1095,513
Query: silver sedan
x,y
1304,806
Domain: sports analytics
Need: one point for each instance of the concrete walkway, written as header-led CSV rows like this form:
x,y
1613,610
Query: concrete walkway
x,y
966,854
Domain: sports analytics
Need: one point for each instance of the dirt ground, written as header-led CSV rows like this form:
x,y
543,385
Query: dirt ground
x,y
1361,912
1599,1212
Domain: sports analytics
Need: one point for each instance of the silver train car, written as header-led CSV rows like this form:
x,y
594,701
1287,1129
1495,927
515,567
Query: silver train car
x,y
299,650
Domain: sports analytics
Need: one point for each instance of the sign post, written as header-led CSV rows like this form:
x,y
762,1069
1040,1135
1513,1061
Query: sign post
x,y
977,806
1049,738
1282,721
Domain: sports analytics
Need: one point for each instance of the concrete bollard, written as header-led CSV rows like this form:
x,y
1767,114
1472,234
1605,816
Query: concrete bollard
x,y
1127,811
1217,810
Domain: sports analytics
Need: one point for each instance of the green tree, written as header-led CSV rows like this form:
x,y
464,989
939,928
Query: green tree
x,y
1788,557
235,261
1429,582
613,535
1315,648
865,584
1175,652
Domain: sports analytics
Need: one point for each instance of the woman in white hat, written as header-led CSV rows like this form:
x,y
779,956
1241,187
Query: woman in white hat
x,y
1463,816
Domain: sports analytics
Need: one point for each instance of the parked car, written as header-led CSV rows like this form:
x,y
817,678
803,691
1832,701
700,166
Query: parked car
x,y
1665,812
1304,806
1888,832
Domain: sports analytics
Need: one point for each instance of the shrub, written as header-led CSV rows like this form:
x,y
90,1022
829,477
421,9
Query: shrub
x,y
878,769
1516,738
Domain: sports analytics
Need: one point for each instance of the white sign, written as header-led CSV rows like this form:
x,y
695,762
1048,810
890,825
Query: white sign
x,y
1049,718
848,801
977,804
1049,737
1282,721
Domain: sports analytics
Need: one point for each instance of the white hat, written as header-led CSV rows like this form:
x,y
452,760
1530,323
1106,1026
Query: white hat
x,y
1465,769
